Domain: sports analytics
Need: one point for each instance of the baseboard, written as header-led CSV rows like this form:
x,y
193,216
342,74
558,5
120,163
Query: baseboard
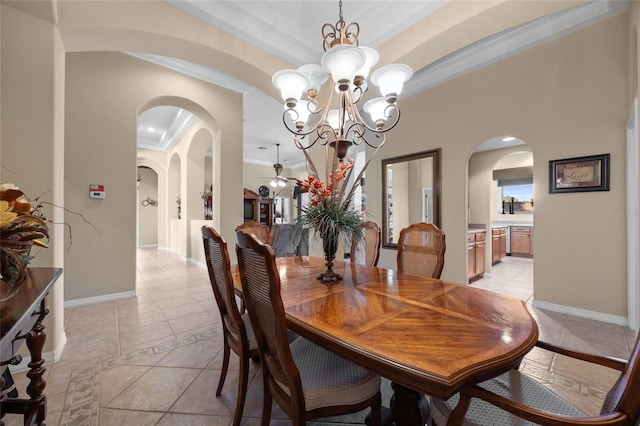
x,y
198,263
583,313
98,299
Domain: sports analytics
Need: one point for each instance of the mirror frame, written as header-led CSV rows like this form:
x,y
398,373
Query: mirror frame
x,y
436,155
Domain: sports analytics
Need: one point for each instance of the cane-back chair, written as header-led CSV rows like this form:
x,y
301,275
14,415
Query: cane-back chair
x,y
512,397
306,380
366,251
261,230
237,330
421,248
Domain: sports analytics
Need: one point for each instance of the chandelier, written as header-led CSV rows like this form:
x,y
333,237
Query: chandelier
x,y
337,121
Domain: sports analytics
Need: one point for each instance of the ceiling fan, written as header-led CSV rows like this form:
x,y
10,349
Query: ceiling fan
x,y
279,180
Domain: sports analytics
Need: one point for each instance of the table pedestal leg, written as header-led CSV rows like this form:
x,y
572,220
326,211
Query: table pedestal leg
x,y
408,407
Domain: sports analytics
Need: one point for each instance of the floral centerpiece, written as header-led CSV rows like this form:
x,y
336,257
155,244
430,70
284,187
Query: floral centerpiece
x,y
21,227
329,213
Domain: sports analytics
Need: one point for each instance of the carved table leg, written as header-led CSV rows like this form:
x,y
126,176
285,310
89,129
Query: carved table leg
x,y
37,405
408,407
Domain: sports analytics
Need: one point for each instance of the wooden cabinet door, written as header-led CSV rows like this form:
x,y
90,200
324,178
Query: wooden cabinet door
x,y
503,243
520,241
480,257
495,247
471,262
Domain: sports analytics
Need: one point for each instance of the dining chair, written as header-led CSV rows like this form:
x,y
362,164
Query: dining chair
x,y
261,230
366,251
306,380
237,330
513,396
421,248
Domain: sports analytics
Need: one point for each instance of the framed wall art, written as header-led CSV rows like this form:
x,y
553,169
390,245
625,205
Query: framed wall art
x,y
580,174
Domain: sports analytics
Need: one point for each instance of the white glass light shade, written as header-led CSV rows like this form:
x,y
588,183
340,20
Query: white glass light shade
x,y
342,62
291,84
372,57
301,112
333,117
281,183
315,74
391,78
273,183
376,108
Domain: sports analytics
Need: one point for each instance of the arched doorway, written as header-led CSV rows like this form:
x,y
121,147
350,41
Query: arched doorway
x,y
501,213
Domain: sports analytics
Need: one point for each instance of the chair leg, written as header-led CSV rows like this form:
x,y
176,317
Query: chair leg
x,y
225,365
266,406
243,380
376,411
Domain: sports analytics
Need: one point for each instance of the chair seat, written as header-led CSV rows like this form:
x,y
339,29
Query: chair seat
x,y
514,386
330,380
253,343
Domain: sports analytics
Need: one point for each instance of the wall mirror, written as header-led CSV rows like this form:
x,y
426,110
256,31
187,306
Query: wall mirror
x,y
410,193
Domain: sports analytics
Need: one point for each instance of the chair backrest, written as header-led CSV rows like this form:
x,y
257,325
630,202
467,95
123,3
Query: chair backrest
x,y
624,396
219,267
421,248
367,250
259,229
261,290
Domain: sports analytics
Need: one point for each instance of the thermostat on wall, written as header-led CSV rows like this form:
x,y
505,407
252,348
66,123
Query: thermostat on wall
x,y
96,191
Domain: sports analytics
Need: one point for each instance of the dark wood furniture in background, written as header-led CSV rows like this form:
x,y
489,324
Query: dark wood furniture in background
x,y
262,207
522,241
423,334
21,317
421,248
476,250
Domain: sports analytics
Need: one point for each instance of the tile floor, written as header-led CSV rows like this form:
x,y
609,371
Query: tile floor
x,y
154,359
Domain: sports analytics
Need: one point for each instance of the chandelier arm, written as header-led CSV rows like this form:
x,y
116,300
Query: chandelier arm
x,y
372,145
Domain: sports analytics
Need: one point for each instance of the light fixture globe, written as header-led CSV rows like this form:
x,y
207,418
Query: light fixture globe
x,y
292,84
372,58
316,76
377,110
390,80
342,62
300,113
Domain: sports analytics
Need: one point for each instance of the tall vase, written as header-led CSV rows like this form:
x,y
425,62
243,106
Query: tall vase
x,y
330,239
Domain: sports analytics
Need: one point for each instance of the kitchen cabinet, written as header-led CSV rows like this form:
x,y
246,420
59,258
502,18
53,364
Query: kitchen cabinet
x,y
522,241
476,253
498,244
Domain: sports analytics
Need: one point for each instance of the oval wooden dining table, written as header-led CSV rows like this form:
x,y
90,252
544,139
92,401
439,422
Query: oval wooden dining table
x,y
425,335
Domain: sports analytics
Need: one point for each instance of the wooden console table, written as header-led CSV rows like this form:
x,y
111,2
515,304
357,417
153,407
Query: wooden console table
x,y
21,316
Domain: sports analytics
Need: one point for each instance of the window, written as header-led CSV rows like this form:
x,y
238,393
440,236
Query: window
x,y
516,198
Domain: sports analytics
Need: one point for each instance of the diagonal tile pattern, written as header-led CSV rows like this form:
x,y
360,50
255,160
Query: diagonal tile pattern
x,y
155,359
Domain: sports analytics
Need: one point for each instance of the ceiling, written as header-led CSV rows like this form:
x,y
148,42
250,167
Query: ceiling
x,y
271,24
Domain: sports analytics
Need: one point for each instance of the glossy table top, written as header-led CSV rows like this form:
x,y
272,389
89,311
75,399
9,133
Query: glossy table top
x,y
17,303
425,334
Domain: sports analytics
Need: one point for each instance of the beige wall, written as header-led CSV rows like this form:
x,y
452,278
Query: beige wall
x,y
566,98
105,130
147,213
31,134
